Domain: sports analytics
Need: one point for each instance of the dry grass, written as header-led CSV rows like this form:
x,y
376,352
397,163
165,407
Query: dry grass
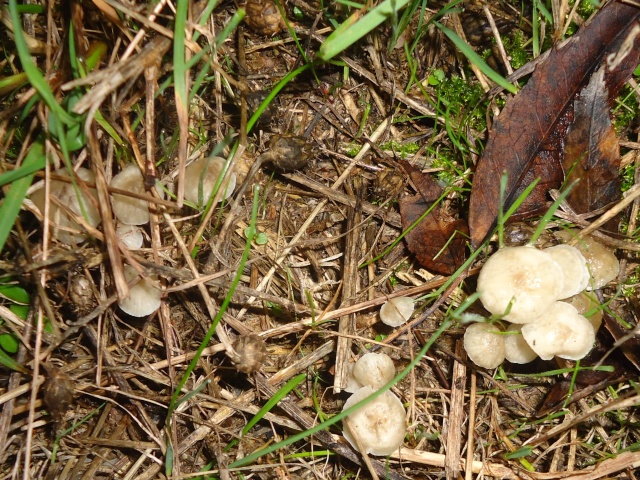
x,y
303,289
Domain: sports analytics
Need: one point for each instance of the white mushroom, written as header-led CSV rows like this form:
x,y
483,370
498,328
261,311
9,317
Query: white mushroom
x,y
130,210
516,349
131,236
80,205
574,267
484,344
560,332
379,426
397,311
374,369
201,177
143,299
524,279
602,263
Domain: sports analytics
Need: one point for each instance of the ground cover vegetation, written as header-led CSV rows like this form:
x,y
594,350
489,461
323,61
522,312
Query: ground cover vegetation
x,y
205,204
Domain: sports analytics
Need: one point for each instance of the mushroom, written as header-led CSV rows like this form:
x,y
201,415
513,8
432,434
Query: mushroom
x,y
374,370
516,349
130,210
66,194
396,311
379,426
574,268
143,299
586,303
131,236
520,283
602,263
202,175
484,344
560,332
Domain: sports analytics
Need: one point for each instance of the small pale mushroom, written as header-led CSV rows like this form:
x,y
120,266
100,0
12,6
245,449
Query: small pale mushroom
x,y
379,426
66,194
131,236
397,311
523,279
587,305
516,349
130,210
374,369
484,344
560,332
143,299
602,263
574,268
201,177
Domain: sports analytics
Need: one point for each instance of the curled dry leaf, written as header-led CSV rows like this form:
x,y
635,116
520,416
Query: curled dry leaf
x,y
439,240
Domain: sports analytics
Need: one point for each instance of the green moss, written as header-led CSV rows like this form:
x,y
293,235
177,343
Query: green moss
x,y
401,149
515,47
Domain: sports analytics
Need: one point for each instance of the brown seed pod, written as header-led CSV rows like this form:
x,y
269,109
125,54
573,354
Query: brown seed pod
x,y
58,394
251,353
263,17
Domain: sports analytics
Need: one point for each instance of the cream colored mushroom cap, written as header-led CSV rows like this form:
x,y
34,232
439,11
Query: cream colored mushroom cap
x,y
130,210
397,311
602,263
561,332
204,173
143,299
525,277
374,369
66,194
379,425
516,349
574,267
484,344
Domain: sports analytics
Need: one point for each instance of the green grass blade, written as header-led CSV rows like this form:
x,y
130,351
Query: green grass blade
x,y
476,59
22,171
352,29
552,210
13,200
36,78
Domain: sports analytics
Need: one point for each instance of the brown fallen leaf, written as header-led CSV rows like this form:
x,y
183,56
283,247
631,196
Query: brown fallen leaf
x,y
528,137
592,153
439,240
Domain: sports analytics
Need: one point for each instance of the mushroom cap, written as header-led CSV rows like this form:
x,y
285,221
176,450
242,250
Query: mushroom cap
x,y
374,369
203,174
484,344
585,303
574,267
396,311
602,263
516,349
130,210
379,425
131,235
526,278
143,299
561,332
66,194
251,353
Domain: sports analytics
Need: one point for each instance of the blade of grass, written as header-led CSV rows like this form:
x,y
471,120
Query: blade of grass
x,y
18,190
552,210
352,29
36,78
476,59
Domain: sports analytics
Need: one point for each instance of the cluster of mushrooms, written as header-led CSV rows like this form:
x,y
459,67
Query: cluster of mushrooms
x,y
379,427
546,295
73,204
